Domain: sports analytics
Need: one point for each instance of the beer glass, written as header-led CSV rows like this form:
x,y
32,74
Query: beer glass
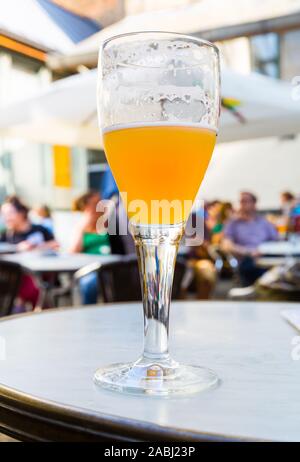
x,y
158,106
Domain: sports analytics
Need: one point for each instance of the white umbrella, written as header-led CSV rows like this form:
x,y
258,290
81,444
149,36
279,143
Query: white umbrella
x,y
188,19
266,104
66,113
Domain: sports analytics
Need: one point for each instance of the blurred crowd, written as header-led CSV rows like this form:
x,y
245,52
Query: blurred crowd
x,y
232,237
236,234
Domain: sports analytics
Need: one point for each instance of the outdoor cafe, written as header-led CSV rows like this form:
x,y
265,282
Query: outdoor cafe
x,y
146,310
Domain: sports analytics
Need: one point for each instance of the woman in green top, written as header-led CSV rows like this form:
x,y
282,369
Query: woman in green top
x,y
90,237
222,214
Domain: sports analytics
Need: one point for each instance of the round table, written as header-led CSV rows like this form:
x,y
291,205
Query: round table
x,y
278,253
39,262
280,248
47,392
7,248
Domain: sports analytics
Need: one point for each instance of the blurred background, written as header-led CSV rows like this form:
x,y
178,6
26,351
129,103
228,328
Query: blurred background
x,y
53,169
51,149
42,41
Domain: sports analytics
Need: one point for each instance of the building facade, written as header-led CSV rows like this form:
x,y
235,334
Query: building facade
x,y
38,173
57,174
264,166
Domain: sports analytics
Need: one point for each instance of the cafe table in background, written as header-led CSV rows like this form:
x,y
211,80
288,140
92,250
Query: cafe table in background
x,y
278,252
48,265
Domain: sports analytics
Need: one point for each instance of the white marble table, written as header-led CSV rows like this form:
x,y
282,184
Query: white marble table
x,y
7,248
278,253
38,262
47,392
280,248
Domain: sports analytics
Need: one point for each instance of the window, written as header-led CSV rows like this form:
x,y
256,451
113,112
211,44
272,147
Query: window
x,y
96,157
265,54
96,167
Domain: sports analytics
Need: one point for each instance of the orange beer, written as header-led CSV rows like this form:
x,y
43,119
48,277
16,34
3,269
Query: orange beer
x,y
161,165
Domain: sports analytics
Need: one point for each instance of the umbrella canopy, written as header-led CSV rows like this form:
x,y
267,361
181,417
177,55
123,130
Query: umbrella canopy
x,y
64,113
188,19
253,107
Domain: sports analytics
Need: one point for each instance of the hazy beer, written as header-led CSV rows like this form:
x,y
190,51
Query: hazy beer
x,y
159,163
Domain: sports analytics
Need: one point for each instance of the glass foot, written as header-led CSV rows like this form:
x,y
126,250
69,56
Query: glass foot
x,y
161,378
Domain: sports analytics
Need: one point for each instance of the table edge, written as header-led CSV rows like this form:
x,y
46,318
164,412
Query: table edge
x,y
54,421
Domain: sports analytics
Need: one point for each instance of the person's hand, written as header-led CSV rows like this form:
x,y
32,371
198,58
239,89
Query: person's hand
x,y
53,245
255,253
25,246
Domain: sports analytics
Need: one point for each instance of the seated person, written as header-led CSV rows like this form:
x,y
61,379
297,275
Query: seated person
x,y
20,231
244,234
27,236
42,216
287,200
212,215
199,259
224,216
205,273
121,242
90,237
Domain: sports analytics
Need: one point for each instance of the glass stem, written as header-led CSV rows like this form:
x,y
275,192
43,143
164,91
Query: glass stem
x,y
156,247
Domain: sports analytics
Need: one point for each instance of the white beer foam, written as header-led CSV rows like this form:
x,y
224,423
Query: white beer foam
x,y
166,123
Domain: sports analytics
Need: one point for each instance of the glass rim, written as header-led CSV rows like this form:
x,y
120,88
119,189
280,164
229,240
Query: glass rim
x,y
200,40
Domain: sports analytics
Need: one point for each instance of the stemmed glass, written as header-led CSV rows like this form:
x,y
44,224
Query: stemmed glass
x,y
158,105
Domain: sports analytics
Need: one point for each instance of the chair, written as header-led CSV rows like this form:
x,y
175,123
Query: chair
x,y
120,281
242,293
226,264
10,282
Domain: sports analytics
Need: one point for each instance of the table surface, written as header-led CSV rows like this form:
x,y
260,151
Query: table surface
x,y
47,391
269,262
280,248
278,253
41,263
5,248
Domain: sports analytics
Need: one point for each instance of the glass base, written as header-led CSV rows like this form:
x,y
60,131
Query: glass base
x,y
163,378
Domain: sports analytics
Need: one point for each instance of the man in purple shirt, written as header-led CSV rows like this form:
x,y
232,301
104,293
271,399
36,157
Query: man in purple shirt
x,y
244,234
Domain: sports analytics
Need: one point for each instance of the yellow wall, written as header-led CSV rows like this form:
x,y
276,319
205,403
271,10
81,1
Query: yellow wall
x,y
62,171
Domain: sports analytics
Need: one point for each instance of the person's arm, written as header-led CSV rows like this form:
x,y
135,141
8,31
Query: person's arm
x,y
273,233
77,242
229,244
49,241
25,246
